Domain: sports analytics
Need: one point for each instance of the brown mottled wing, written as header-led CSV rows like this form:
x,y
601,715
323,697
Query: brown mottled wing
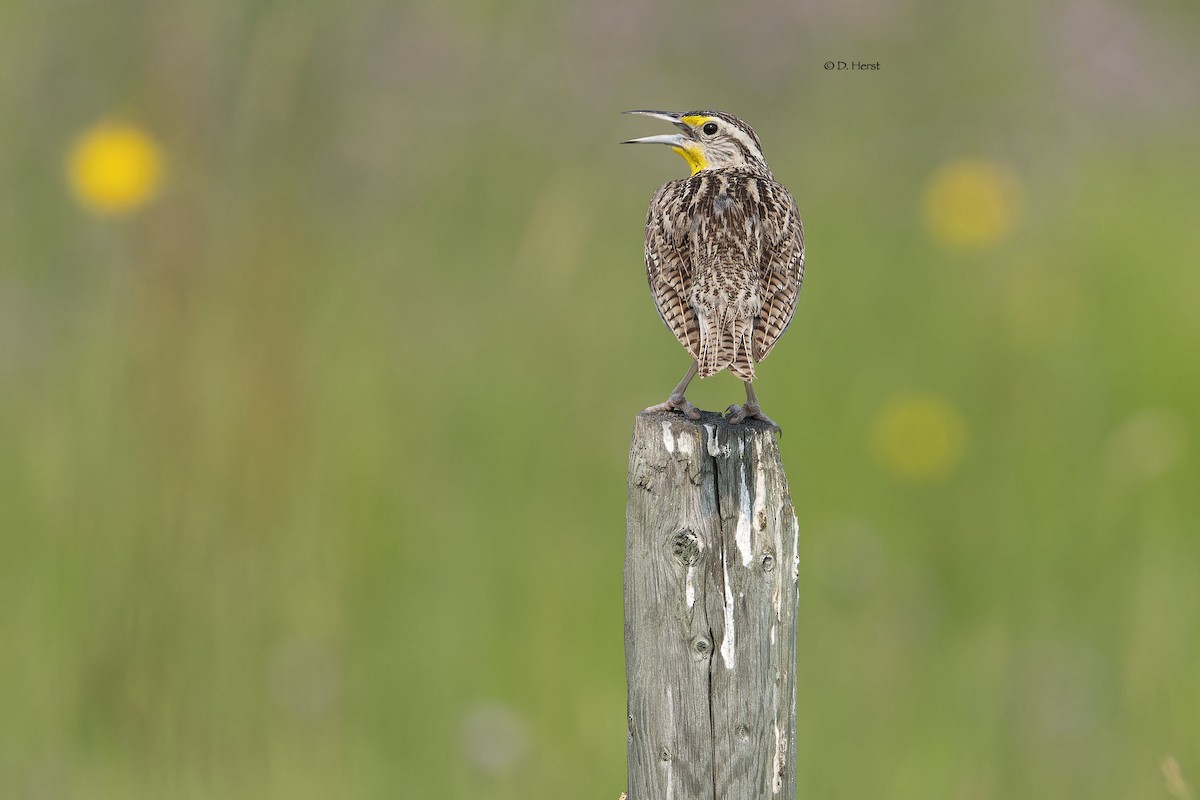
x,y
782,269
667,269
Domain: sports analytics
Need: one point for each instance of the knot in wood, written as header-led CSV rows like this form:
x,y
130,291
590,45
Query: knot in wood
x,y
701,646
768,562
686,546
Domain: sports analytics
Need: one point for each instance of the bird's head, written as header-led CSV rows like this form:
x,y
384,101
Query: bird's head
x,y
709,140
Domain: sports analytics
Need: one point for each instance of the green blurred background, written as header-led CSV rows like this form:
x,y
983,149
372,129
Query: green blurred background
x,y
312,466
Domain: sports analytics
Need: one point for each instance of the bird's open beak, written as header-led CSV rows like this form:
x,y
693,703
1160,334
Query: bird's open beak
x,y
675,140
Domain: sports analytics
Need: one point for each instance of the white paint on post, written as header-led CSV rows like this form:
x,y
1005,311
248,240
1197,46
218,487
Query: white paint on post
x,y
745,521
728,653
780,755
715,449
668,438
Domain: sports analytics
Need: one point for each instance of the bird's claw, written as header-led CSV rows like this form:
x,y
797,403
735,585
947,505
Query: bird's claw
x,y
675,402
735,415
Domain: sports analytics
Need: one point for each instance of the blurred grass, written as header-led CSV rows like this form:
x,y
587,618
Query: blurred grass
x,y
312,477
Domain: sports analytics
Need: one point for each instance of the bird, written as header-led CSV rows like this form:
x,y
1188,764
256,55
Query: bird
x,y
724,254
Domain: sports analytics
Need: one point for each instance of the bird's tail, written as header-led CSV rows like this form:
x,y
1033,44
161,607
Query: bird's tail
x,y
726,342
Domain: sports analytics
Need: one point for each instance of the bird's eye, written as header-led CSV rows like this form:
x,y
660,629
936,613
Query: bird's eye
x,y
710,128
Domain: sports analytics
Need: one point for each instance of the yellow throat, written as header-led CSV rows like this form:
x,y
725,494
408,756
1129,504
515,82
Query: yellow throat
x,y
693,155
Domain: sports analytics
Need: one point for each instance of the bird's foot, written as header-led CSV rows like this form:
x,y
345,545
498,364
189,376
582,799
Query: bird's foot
x,y
675,402
735,415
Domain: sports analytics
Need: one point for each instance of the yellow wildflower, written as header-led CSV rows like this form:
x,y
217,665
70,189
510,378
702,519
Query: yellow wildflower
x,y
971,204
114,168
919,437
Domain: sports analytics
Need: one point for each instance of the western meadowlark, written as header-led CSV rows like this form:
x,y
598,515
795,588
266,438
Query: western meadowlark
x,y
724,253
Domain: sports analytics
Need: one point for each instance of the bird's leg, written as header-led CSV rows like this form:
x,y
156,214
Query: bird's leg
x,y
677,402
738,414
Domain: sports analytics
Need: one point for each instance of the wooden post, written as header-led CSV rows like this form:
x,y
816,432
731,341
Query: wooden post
x,y
710,612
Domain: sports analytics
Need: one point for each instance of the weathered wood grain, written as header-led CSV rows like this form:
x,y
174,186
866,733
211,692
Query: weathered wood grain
x,y
710,612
